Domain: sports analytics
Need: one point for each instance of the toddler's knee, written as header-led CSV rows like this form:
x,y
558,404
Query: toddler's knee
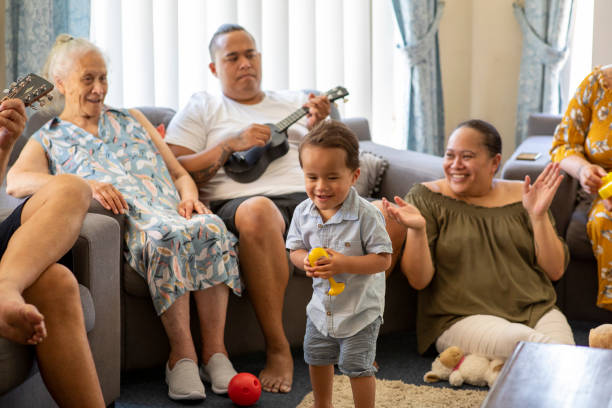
x,y
357,367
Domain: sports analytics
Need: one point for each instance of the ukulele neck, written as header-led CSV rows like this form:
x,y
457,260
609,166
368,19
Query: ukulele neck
x,y
295,116
291,119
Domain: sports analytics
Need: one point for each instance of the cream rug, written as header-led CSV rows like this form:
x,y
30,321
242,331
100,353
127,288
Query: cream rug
x,y
396,394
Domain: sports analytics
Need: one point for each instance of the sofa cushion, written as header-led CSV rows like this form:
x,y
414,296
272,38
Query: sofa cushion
x,y
406,168
373,168
133,283
576,237
16,360
15,363
157,115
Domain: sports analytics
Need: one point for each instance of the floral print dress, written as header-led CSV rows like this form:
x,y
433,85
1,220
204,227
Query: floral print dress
x,y
586,131
173,254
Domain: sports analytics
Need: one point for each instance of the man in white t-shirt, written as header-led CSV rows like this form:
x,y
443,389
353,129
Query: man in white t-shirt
x,y
205,133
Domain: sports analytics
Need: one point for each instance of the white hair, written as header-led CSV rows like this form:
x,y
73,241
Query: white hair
x,y
60,62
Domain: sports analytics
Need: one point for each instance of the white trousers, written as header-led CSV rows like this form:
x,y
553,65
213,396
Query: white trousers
x,y
495,337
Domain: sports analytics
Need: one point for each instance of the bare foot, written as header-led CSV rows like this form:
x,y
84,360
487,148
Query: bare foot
x,y
277,376
21,322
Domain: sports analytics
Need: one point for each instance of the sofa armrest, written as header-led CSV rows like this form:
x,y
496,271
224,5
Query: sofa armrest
x,y
565,200
96,208
360,126
542,124
406,168
96,256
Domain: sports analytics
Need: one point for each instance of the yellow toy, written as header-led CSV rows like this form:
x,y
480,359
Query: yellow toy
x,y
605,191
314,255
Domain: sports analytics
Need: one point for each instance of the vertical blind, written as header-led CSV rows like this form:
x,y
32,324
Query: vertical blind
x,y
158,51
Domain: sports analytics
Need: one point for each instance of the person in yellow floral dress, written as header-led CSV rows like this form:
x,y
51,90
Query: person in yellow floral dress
x,y
583,146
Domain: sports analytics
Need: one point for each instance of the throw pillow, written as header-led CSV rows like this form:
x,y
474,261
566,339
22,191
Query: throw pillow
x,y
161,129
373,168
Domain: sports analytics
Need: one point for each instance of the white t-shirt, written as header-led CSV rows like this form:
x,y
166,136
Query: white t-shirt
x,y
208,119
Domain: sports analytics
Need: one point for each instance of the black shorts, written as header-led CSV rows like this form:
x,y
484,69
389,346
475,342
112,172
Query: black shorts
x,y
226,209
12,223
9,226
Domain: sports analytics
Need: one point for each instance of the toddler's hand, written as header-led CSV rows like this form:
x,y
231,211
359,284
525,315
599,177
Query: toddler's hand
x,y
307,268
328,267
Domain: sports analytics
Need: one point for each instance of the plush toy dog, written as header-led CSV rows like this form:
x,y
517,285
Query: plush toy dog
x,y
601,336
456,367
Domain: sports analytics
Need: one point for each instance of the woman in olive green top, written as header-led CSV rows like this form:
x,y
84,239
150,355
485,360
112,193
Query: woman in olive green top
x,y
481,251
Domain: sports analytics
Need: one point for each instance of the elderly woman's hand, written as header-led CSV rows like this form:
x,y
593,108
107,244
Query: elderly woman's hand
x,y
405,214
538,196
107,195
590,176
187,206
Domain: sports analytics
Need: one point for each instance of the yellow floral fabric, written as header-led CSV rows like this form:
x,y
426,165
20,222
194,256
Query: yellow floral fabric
x,y
586,131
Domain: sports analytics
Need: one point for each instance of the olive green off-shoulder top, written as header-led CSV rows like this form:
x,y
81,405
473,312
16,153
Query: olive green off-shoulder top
x,y
485,263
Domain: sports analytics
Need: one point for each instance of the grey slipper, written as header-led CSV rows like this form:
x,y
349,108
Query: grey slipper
x,y
219,371
183,381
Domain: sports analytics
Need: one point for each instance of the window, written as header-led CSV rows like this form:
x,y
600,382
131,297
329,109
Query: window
x,y
158,51
580,60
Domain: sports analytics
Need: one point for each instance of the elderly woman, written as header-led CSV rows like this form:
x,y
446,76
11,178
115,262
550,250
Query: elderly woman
x,y
582,146
172,239
481,251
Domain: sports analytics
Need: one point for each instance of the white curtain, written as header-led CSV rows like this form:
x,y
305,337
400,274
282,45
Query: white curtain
x,y
158,50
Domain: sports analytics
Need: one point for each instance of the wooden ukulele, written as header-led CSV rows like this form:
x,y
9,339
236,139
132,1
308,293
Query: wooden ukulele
x,y
29,89
249,165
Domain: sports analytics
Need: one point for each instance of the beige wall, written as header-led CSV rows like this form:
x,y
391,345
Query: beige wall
x,y
480,50
602,32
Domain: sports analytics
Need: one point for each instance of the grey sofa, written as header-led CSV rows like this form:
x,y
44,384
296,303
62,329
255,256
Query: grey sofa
x,y
95,260
577,290
144,343
133,335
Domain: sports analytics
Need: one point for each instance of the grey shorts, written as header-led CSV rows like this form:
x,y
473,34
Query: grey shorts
x,y
354,355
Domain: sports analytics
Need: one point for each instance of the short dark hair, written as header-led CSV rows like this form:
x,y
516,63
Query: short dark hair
x,y
491,138
224,29
333,134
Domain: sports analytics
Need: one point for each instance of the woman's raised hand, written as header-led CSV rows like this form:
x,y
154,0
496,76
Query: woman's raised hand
x,y
405,214
187,206
107,195
538,196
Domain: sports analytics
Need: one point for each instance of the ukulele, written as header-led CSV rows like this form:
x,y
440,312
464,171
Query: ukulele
x,y
29,89
249,165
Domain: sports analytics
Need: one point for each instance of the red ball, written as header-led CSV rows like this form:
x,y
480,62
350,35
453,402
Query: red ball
x,y
244,389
